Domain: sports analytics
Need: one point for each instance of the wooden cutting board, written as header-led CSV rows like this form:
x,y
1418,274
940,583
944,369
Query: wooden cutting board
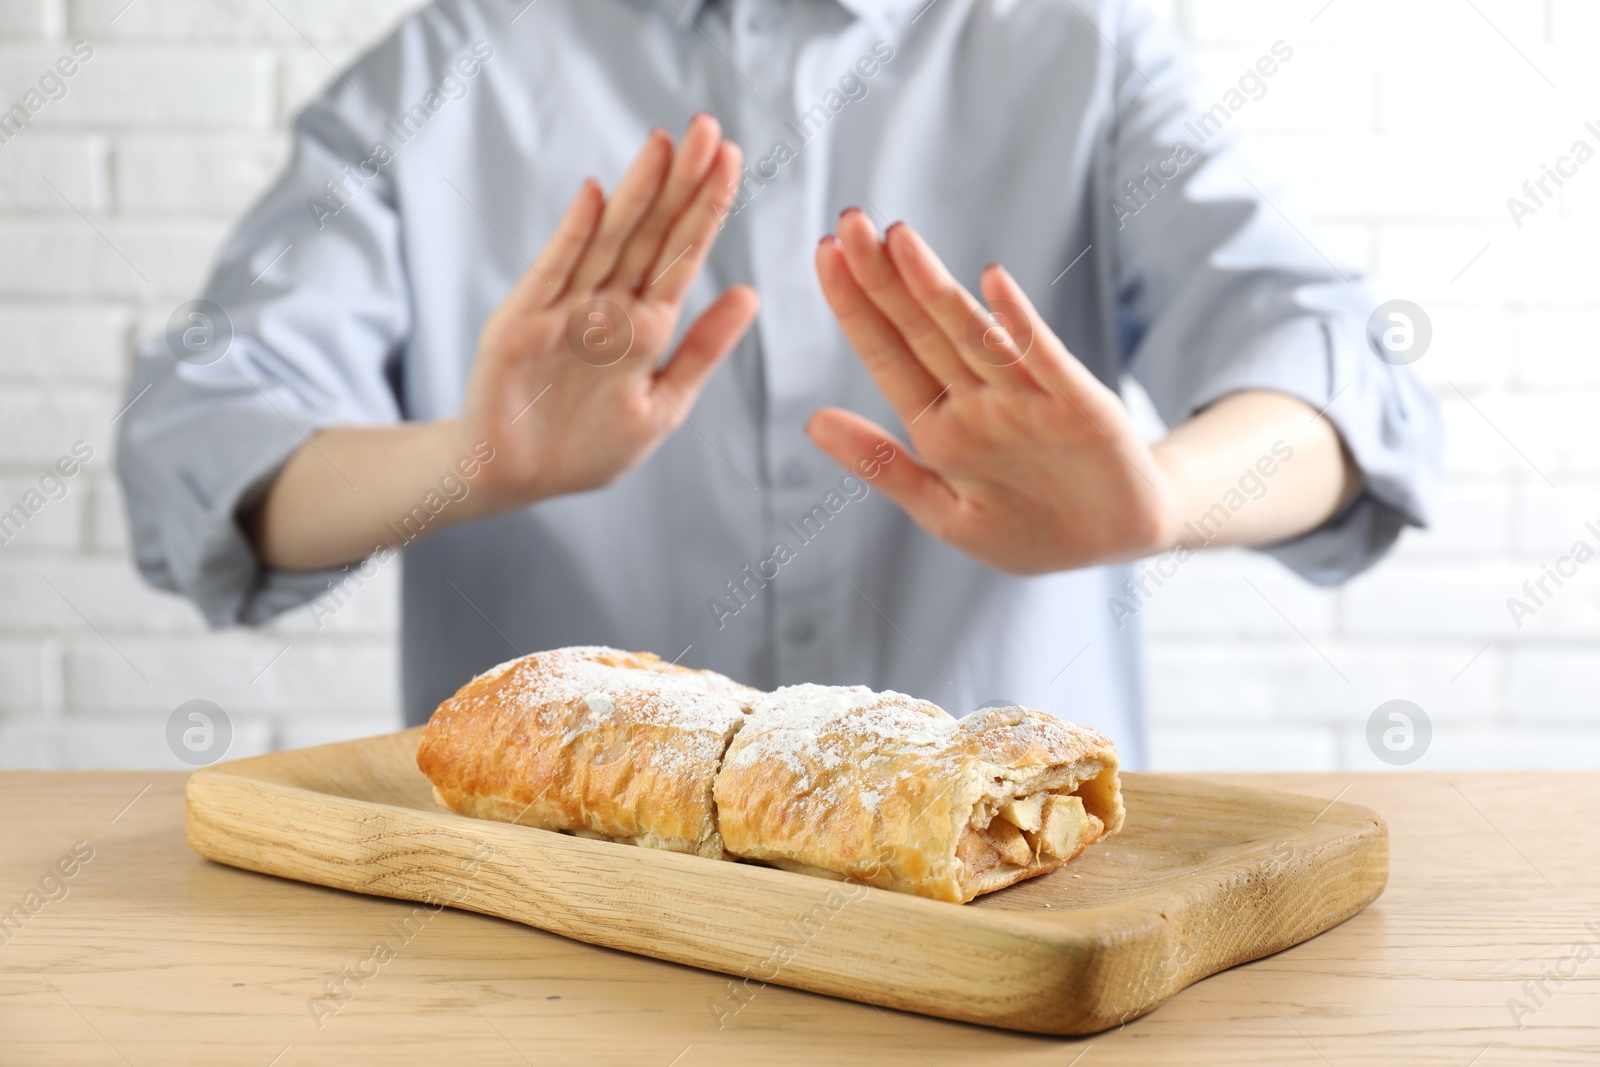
x,y
1202,877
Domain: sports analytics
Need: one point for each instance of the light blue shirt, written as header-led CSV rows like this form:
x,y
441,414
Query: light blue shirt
x,y
1038,134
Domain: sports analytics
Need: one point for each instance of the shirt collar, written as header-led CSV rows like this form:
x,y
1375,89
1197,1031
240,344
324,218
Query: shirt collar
x,y
689,10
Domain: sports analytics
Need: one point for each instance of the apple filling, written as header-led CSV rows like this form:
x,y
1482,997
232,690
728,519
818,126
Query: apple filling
x,y
1043,830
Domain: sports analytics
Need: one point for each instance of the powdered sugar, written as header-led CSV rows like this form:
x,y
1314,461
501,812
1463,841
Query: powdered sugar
x,y
603,678
804,727
594,698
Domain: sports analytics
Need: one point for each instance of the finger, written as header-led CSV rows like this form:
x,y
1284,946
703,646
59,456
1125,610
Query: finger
x,y
710,338
868,451
879,279
1048,360
983,339
627,206
689,165
904,380
547,278
694,231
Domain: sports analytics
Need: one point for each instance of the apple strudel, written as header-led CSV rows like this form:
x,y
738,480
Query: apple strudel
x,y
891,791
838,781
591,741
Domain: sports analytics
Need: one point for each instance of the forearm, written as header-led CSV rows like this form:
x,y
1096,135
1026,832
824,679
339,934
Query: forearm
x,y
1255,468
352,490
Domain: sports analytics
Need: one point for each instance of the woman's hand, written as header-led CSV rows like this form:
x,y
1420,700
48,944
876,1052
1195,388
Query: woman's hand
x,y
1027,461
565,394
566,388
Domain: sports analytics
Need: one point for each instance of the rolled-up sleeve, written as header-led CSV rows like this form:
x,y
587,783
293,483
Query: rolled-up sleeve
x,y
313,292
1219,292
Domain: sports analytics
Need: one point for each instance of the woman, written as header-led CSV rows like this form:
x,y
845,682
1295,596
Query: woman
x,y
438,333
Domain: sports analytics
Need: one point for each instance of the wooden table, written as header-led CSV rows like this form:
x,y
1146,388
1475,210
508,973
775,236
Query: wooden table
x,y
155,956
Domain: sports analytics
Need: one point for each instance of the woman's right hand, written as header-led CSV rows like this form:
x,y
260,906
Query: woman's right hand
x,y
566,387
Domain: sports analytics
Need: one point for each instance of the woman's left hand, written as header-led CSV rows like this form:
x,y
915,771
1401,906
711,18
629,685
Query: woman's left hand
x,y
1024,459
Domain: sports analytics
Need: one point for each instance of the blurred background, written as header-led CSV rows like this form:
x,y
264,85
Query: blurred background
x,y
1399,129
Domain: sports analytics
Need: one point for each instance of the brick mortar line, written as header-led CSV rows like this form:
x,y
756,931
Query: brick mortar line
x,y
128,45
1373,642
46,217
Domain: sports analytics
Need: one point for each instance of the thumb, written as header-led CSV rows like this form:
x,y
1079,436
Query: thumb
x,y
707,341
868,451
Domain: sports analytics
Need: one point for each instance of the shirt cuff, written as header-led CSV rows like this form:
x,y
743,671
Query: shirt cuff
x,y
185,500
1388,421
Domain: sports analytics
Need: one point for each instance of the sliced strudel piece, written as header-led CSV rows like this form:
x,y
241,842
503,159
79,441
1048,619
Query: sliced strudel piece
x,y
592,741
891,791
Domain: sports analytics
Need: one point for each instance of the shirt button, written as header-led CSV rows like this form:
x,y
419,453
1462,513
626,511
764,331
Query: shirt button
x,y
801,631
792,474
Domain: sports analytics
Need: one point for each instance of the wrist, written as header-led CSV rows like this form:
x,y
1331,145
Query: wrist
x,y
462,462
1176,481
501,479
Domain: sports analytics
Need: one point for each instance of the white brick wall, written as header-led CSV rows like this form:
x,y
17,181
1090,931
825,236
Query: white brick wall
x,y
1399,129
169,132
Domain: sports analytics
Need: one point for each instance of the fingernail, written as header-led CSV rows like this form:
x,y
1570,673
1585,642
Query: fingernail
x,y
848,210
990,267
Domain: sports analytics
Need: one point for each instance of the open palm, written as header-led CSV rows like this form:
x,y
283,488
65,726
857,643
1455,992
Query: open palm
x,y
1025,460
566,386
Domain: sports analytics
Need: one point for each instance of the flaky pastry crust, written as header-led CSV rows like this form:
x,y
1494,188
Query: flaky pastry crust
x,y
592,741
836,781
888,790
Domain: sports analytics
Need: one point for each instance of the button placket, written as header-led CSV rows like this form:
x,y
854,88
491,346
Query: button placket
x,y
781,206
793,474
